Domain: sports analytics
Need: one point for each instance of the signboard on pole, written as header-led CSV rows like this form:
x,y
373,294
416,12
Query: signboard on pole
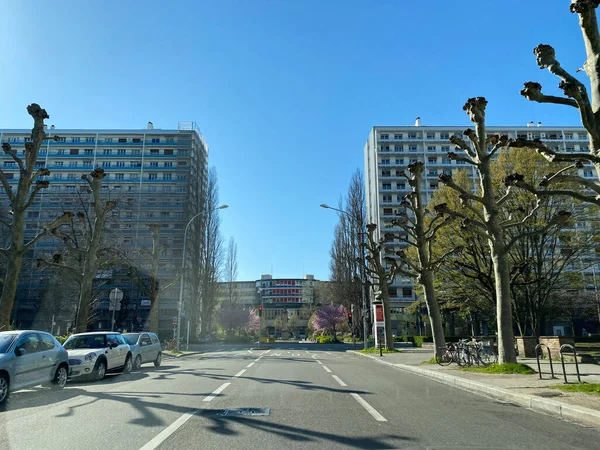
x,y
378,323
115,296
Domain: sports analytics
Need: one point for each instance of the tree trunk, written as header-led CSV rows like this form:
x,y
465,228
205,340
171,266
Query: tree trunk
x,y
9,290
85,301
433,310
506,340
387,317
154,311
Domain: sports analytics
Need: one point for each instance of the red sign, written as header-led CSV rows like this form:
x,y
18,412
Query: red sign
x,y
378,313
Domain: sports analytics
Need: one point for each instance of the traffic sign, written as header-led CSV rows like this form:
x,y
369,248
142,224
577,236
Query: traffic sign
x,y
115,296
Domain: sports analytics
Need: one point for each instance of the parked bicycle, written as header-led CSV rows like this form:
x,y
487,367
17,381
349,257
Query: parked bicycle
x,y
466,353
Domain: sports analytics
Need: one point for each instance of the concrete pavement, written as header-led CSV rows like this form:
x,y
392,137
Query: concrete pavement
x,y
317,397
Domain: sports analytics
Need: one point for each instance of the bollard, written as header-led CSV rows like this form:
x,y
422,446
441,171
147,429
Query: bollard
x,y
562,361
537,357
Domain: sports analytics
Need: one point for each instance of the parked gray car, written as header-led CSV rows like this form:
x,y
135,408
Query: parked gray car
x,y
145,348
29,358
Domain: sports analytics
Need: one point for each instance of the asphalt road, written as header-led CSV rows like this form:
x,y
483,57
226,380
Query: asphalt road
x,y
309,396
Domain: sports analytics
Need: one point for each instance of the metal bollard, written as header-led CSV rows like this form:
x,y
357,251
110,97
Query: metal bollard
x,y
537,357
562,361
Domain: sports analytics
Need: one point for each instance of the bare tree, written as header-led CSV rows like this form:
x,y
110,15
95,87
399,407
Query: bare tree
x,y
20,199
420,228
489,222
87,251
576,96
231,270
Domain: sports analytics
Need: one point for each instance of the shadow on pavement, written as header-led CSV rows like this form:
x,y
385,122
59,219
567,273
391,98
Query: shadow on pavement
x,y
223,425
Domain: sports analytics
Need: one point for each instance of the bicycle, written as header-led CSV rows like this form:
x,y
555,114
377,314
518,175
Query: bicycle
x,y
445,355
475,352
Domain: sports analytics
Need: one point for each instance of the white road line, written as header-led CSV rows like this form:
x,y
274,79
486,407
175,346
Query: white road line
x,y
313,356
336,378
327,369
329,353
249,351
217,392
319,361
249,365
276,354
378,417
295,354
239,373
164,434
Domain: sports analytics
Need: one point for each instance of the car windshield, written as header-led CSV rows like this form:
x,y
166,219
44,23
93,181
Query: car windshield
x,y
131,338
5,341
87,341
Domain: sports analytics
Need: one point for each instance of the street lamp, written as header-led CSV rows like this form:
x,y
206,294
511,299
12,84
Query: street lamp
x,y
180,305
361,267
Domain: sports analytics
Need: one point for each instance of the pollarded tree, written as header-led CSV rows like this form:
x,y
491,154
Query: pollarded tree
x,y
420,229
490,222
576,96
21,196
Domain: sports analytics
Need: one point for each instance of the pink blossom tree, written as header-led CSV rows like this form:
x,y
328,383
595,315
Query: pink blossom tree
x,y
233,316
253,321
328,317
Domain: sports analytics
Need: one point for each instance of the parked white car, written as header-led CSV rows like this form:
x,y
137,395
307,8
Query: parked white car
x,y
145,348
97,353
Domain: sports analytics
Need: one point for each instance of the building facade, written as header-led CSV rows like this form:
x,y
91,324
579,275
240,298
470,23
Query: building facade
x,y
387,152
150,173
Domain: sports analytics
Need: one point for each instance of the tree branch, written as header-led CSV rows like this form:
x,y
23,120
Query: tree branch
x,y
462,145
533,92
7,187
447,180
39,185
7,148
559,192
5,222
70,269
48,229
456,157
552,155
438,261
509,224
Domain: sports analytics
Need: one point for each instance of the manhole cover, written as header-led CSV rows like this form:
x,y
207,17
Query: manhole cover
x,y
245,412
548,394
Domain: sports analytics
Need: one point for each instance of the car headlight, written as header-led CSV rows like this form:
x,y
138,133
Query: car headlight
x,y
90,357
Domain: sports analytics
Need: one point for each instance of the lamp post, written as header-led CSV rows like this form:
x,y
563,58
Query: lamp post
x,y
358,226
180,305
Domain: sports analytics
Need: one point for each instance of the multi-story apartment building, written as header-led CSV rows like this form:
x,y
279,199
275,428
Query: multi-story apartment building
x,y
152,174
389,149
278,296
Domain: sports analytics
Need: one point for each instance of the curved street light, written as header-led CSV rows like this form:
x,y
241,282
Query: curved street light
x,y
180,305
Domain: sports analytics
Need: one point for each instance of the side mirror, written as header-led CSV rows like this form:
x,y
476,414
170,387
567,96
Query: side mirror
x,y
114,345
19,351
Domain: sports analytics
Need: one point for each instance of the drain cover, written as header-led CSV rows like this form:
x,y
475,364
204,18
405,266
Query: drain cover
x,y
548,394
245,412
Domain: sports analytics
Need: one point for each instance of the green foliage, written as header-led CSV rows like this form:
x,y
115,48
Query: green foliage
x,y
326,340
587,388
62,339
418,341
376,350
429,361
588,339
507,368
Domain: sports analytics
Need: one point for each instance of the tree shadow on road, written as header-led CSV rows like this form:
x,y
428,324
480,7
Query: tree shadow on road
x,y
224,425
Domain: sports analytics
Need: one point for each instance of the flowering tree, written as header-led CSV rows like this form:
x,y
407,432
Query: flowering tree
x,y
328,317
253,321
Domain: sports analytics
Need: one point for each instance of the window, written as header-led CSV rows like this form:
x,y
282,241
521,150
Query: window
x,y
385,162
60,151
153,164
87,164
120,164
398,136
154,151
30,343
431,148
386,173
74,151
399,160
430,135
386,187
10,164
164,214
181,178
570,148
584,148
432,160
384,137
387,211
107,151
135,164
406,292
460,162
121,151
136,151
88,151
105,163
168,164
384,148
569,136
47,342
152,176
166,189
155,140
89,140
113,339
149,214
445,148
412,148
387,199
122,140
400,185
73,164
119,176
59,163
167,176
433,173
587,173
75,139
168,151
398,148
413,160
136,140
433,185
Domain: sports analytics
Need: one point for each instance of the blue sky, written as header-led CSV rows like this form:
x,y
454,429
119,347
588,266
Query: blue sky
x,y
285,91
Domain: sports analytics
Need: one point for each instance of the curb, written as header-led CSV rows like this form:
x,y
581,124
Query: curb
x,y
168,355
553,408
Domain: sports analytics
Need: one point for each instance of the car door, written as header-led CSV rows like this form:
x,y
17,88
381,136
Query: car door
x,y
50,355
146,348
156,348
28,360
115,354
123,347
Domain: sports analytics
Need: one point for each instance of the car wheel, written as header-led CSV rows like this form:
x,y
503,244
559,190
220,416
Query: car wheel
x,y
158,359
138,363
4,385
128,365
60,377
100,370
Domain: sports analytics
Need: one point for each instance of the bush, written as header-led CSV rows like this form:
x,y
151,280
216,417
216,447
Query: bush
x,y
62,339
588,339
418,341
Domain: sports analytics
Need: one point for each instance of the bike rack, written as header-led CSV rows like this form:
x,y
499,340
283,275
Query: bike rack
x,y
537,357
562,361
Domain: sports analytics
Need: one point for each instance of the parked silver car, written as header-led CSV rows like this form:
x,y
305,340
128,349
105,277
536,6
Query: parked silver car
x,y
95,354
29,358
145,348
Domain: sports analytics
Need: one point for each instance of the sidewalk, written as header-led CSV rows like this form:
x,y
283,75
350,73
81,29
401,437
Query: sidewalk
x,y
524,390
